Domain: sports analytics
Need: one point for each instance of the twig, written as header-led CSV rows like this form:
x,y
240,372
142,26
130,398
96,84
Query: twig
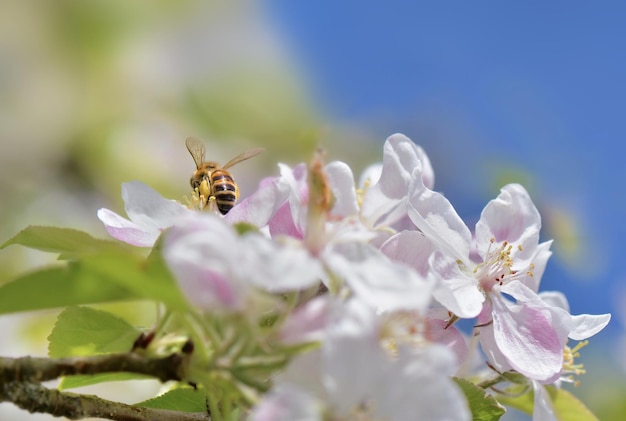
x,y
30,369
34,397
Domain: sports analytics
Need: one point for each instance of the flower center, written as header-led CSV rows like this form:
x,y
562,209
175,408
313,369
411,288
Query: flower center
x,y
497,268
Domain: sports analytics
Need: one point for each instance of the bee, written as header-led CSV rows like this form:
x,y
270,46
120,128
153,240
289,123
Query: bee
x,y
212,180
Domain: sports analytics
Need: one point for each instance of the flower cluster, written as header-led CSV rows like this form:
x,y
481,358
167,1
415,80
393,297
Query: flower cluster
x,y
382,270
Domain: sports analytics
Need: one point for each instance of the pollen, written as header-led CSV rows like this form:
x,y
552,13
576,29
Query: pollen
x,y
198,202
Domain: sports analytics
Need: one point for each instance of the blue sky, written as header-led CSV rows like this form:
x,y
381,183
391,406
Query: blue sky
x,y
532,89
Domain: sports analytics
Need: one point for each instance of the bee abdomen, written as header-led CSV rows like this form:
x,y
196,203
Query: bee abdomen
x,y
225,190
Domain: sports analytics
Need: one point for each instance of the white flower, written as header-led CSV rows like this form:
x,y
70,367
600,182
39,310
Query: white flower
x,y
526,334
149,215
353,375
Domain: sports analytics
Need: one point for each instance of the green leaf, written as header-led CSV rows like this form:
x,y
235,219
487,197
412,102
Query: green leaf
x,y
110,274
66,241
184,399
59,287
149,278
483,406
83,331
566,406
73,382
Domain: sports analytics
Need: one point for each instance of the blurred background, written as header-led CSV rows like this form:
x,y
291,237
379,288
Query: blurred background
x,y
94,93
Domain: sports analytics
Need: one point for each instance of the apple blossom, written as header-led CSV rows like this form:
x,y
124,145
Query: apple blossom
x,y
477,277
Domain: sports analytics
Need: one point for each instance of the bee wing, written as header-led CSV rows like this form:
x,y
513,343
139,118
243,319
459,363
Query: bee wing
x,y
196,149
242,157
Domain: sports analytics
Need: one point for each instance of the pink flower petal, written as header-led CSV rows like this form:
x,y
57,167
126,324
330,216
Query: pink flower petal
x,y
282,223
529,334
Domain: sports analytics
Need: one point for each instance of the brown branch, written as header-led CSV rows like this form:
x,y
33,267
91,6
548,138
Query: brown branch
x,y
33,397
30,369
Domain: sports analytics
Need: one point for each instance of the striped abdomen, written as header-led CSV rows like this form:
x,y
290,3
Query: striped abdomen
x,y
224,189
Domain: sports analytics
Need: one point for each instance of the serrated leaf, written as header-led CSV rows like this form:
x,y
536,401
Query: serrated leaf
x,y
81,331
184,399
566,406
66,241
482,405
59,287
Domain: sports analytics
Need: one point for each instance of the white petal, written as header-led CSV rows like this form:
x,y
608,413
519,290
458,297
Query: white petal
x,y
352,355
205,269
147,208
262,205
455,290
341,182
307,323
512,217
418,387
587,325
555,299
380,210
296,179
402,160
540,260
124,230
382,283
371,175
306,371
435,216
411,248
277,267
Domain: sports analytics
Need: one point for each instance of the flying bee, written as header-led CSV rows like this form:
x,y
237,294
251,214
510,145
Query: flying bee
x,y
212,180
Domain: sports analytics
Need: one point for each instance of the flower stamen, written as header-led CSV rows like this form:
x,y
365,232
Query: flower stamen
x,y
497,268
570,369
